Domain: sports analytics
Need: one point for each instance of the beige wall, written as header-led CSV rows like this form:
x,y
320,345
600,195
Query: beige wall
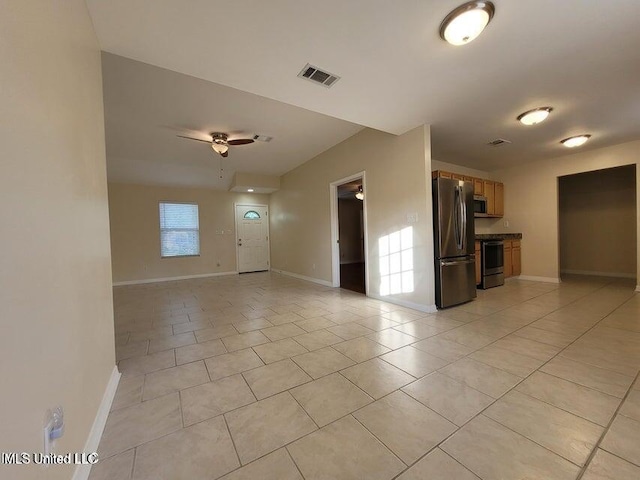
x,y
531,201
598,222
57,345
397,183
135,231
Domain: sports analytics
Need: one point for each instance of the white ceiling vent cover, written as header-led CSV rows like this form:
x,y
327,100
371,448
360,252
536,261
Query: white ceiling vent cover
x,y
315,75
498,142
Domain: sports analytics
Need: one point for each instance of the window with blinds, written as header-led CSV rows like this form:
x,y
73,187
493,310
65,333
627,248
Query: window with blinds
x,y
179,230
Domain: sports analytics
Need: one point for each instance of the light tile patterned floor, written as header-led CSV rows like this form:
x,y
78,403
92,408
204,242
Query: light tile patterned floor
x,y
265,376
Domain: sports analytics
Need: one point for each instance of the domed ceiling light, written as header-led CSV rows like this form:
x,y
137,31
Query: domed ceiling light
x,y
575,141
466,22
535,116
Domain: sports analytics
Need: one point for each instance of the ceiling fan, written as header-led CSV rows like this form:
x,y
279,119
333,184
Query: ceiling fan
x,y
220,142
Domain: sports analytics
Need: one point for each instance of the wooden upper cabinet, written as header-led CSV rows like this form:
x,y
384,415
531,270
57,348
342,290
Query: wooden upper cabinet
x,y
499,199
494,191
478,186
489,192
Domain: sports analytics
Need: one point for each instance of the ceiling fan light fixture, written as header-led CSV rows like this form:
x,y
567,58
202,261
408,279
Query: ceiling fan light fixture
x,y
535,116
575,141
220,148
466,23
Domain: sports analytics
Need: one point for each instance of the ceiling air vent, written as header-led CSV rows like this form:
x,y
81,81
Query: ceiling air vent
x,y
262,138
314,74
498,142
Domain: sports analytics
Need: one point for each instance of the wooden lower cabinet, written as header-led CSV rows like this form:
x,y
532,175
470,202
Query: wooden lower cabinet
x,y
516,265
512,258
478,264
508,264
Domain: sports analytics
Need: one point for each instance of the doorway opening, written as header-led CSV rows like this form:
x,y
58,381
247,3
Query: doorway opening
x,y
349,221
252,238
597,223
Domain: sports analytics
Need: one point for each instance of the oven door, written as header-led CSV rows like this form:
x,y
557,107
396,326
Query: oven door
x,y
492,257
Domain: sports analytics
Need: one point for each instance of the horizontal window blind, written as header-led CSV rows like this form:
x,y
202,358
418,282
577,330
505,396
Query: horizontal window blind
x,y
179,229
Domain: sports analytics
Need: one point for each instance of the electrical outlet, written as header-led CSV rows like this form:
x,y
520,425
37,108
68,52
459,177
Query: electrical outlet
x,y
506,223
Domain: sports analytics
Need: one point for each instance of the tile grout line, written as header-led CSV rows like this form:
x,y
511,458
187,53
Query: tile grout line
x,y
476,350
512,388
606,431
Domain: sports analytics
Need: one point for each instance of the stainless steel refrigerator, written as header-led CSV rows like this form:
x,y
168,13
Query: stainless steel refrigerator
x,y
454,241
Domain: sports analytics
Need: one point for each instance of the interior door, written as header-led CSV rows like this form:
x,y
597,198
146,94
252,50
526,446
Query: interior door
x,y
252,238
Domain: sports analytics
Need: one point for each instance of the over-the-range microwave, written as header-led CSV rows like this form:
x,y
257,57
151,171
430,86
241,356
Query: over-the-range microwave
x,y
479,205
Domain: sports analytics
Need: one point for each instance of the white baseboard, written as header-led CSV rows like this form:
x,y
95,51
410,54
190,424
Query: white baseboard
x,y
404,303
303,277
533,278
171,279
637,288
82,471
599,274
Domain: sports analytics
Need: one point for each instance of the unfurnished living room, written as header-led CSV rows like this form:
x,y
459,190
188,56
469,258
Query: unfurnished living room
x,y
310,240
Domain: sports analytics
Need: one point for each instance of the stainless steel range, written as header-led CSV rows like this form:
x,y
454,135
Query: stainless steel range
x,y
492,263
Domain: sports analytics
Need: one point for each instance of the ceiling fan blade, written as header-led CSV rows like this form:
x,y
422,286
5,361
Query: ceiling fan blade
x,y
225,154
197,139
240,141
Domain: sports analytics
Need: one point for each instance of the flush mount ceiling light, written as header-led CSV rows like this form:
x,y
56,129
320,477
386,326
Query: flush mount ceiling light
x,y
575,141
466,22
360,194
250,190
537,115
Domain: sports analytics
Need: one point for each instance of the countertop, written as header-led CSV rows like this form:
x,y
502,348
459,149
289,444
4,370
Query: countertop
x,y
499,236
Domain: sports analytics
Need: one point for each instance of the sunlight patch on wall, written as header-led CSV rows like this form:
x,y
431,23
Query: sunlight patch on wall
x,y
396,262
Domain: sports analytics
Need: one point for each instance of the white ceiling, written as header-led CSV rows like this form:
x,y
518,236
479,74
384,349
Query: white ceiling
x,y
146,107
579,56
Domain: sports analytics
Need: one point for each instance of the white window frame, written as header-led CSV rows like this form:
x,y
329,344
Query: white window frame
x,y
161,230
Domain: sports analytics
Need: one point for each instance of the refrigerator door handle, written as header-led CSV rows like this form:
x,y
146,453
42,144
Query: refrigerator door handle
x,y
463,212
457,262
458,217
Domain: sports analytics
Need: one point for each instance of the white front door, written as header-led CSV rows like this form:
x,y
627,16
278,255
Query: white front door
x,y
252,237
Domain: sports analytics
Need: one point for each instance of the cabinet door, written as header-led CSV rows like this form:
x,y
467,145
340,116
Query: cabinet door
x,y
499,199
516,260
478,264
489,192
444,174
457,176
478,186
508,265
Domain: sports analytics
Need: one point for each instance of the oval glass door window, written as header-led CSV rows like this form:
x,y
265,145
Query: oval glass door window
x,y
252,215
